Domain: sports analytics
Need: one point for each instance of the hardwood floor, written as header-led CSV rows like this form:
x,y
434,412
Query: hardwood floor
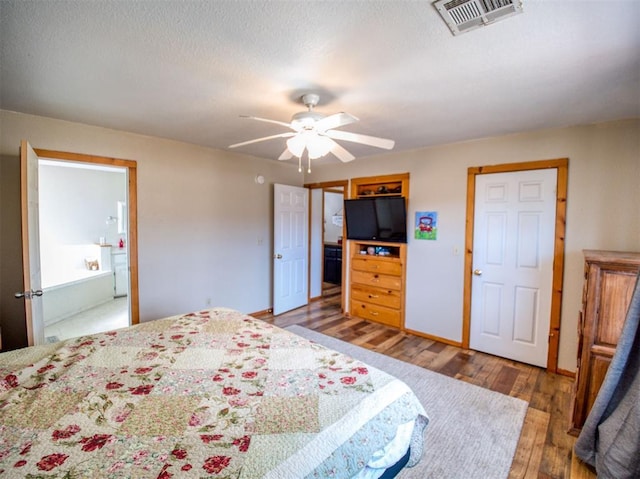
x,y
544,450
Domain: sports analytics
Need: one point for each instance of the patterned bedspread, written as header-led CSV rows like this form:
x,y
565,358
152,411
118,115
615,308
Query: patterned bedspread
x,y
208,394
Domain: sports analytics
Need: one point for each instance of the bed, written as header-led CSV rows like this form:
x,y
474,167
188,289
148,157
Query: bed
x,y
214,393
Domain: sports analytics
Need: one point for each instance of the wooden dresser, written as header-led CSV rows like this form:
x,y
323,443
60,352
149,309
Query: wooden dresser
x,y
377,269
377,282
610,277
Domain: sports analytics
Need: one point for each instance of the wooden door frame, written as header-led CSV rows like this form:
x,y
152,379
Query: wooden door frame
x,y
345,191
132,212
562,166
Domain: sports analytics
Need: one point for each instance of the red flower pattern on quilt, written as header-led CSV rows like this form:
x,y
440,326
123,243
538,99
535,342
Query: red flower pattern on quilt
x,y
97,441
51,461
179,453
241,376
215,464
45,368
164,474
141,390
207,438
65,433
242,443
11,380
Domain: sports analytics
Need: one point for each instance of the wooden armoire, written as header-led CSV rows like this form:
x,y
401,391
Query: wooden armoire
x,y
609,280
377,282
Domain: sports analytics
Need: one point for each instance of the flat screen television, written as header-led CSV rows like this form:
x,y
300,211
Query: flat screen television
x,y
382,218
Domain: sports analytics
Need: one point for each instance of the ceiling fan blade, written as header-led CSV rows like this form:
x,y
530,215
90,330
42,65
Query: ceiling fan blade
x,y
342,154
266,120
335,121
281,135
358,138
286,155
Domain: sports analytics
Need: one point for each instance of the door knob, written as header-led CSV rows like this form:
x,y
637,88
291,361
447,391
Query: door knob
x,y
277,256
28,294
477,272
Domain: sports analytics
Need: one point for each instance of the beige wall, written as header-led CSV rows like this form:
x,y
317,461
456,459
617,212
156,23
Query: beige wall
x,y
201,216
603,212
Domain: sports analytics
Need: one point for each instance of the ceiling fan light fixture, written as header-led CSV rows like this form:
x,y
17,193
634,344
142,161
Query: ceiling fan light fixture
x,y
296,145
318,146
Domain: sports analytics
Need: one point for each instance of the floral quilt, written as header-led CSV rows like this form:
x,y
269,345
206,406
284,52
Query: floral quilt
x,y
209,394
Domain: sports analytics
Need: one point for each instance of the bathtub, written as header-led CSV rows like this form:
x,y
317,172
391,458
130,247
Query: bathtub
x,y
69,287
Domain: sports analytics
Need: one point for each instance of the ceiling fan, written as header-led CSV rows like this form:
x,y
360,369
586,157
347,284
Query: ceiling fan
x,y
316,133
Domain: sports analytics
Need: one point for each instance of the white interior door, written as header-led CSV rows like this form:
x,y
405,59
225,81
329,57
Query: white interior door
x,y
513,246
31,244
291,247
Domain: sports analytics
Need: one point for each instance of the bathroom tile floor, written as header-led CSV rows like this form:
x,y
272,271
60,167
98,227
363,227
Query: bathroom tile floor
x,y
107,316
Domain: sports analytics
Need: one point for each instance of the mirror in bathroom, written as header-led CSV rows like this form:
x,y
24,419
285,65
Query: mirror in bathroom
x,y
122,217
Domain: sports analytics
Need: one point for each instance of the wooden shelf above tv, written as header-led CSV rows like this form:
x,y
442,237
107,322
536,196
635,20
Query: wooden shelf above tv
x,y
387,185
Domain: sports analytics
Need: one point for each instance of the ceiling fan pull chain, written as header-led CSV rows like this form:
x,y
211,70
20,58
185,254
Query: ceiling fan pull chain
x,y
309,163
300,164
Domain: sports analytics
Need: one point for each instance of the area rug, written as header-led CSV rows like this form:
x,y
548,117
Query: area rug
x,y
472,433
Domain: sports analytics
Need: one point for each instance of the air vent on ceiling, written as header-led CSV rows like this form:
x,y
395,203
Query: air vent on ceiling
x,y
464,15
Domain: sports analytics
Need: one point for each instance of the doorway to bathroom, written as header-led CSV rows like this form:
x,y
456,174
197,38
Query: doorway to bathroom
x,y
83,248
82,239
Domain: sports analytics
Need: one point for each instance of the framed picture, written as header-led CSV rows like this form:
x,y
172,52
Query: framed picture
x,y
426,225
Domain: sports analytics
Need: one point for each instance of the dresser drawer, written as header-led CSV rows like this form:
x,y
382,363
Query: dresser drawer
x,y
382,297
374,279
377,265
376,313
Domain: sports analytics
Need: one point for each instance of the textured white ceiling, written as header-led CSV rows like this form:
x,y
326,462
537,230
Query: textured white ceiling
x,y
186,70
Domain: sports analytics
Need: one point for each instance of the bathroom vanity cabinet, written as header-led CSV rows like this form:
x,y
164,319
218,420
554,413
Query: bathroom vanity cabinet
x,y
120,268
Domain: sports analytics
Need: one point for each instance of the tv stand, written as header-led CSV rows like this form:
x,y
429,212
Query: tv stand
x,y
377,269
377,281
